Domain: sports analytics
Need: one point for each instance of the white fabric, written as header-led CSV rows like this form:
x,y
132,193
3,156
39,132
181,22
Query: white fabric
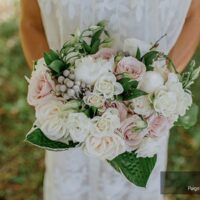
x,y
71,175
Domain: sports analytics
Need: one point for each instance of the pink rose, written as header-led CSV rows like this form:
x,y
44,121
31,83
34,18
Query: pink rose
x,y
133,130
40,85
105,53
123,111
158,125
131,66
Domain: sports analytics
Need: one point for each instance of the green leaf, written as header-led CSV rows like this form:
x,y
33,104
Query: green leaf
x,y
86,47
130,89
148,59
131,94
50,56
136,170
128,83
37,138
57,66
95,47
106,33
190,118
102,23
91,111
138,54
96,37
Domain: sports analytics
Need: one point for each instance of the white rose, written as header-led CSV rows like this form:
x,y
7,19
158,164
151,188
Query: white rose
x,y
184,99
53,116
78,126
107,147
89,69
108,86
94,99
151,81
141,105
148,147
165,103
107,123
132,44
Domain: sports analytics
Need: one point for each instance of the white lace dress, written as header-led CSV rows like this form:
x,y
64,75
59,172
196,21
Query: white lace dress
x,y
71,175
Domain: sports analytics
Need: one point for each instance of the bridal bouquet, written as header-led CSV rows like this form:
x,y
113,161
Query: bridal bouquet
x,y
114,105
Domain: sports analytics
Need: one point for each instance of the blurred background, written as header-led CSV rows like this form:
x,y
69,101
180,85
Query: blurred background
x,y
21,165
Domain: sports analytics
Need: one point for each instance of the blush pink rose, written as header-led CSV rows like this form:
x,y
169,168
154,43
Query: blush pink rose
x,y
123,111
105,53
40,86
132,131
132,66
158,125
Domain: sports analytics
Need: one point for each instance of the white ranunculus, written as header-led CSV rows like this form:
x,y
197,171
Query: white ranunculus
x,y
173,101
107,147
142,106
165,103
148,147
184,99
151,81
108,86
78,126
132,44
53,117
106,124
94,99
89,69
185,103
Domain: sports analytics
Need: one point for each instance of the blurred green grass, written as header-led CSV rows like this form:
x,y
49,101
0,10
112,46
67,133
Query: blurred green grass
x,y
21,165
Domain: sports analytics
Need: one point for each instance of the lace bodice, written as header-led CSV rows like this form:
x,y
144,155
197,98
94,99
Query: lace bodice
x,y
71,175
147,20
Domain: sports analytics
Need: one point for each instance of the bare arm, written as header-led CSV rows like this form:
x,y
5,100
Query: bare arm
x,y
189,38
33,38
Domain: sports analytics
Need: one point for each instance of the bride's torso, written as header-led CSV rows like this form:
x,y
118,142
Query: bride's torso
x,y
146,20
70,174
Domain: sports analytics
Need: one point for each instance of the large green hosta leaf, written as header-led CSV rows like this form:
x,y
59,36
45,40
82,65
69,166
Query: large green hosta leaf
x,y
37,138
136,170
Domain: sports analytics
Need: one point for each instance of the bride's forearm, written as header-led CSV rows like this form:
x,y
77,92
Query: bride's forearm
x,y
32,34
189,38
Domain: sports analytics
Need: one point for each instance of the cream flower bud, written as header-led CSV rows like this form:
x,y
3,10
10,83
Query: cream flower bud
x,y
94,99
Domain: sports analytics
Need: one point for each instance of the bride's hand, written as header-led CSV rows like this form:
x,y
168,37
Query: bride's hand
x,y
32,33
189,38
